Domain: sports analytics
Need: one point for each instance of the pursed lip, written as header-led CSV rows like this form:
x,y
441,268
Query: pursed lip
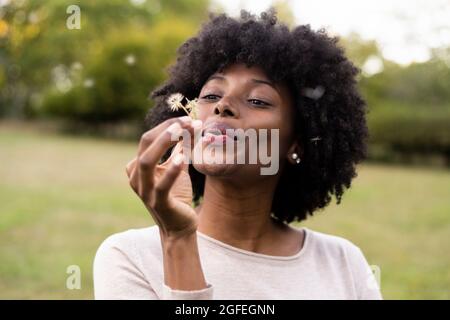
x,y
217,128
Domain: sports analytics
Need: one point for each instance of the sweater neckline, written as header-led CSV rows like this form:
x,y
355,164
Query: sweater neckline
x,y
301,252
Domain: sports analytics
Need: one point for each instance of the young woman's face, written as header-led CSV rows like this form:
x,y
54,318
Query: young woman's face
x,y
243,98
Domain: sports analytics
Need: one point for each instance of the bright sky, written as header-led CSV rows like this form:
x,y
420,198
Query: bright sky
x,y
405,29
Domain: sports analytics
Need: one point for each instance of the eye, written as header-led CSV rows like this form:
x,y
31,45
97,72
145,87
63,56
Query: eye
x,y
211,97
259,103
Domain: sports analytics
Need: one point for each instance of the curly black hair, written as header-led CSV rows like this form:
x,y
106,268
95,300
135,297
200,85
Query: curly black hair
x,y
331,117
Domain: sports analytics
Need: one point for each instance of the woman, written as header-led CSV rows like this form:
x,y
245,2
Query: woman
x,y
222,229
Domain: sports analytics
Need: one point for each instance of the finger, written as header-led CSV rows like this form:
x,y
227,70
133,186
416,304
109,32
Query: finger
x,y
143,174
148,160
134,179
166,182
151,156
150,136
130,167
178,149
186,146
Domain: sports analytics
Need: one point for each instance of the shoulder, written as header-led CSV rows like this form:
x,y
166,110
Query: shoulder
x,y
130,242
335,252
332,245
342,255
118,270
132,236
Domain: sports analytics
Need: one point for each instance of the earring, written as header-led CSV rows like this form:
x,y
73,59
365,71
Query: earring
x,y
296,158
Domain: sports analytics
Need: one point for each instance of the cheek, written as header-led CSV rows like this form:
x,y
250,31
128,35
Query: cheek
x,y
284,123
270,121
204,110
281,121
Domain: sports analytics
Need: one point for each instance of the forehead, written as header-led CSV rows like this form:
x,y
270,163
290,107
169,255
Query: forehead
x,y
241,75
241,71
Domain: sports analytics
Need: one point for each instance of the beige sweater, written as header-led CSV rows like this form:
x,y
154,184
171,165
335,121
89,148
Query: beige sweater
x,y
129,265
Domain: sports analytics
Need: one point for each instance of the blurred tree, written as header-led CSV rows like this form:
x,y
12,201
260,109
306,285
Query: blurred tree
x,y
360,50
37,46
284,12
104,71
426,83
409,106
115,84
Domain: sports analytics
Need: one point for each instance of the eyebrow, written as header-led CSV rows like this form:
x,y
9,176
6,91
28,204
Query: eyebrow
x,y
215,77
258,81
269,83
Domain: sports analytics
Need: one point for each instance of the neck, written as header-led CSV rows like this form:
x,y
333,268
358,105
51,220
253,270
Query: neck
x,y
237,214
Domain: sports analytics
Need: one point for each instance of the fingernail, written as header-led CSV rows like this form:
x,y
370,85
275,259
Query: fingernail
x,y
175,130
197,124
177,159
186,119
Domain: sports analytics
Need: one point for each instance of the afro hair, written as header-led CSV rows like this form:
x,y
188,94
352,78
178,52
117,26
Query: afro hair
x,y
331,114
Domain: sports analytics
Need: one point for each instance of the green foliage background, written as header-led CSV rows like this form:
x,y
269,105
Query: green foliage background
x,y
49,65
85,76
61,195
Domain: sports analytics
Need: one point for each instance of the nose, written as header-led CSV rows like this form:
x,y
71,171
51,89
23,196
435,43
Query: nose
x,y
224,109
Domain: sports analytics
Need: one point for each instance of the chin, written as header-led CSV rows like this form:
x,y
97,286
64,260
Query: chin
x,y
231,172
217,170
213,164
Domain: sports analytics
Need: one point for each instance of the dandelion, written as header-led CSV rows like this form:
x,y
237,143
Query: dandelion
x,y
175,103
192,107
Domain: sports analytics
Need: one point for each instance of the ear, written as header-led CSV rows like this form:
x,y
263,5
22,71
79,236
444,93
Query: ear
x,y
294,149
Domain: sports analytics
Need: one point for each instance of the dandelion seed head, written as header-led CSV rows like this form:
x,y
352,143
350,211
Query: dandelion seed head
x,y
192,107
174,107
174,101
192,104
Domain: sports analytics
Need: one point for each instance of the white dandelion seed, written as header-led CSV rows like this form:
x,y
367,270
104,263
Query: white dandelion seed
x,y
190,104
130,59
192,107
174,107
315,93
174,101
89,83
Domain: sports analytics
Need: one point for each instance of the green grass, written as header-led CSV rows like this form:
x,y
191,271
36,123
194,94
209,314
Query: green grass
x,y
60,196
